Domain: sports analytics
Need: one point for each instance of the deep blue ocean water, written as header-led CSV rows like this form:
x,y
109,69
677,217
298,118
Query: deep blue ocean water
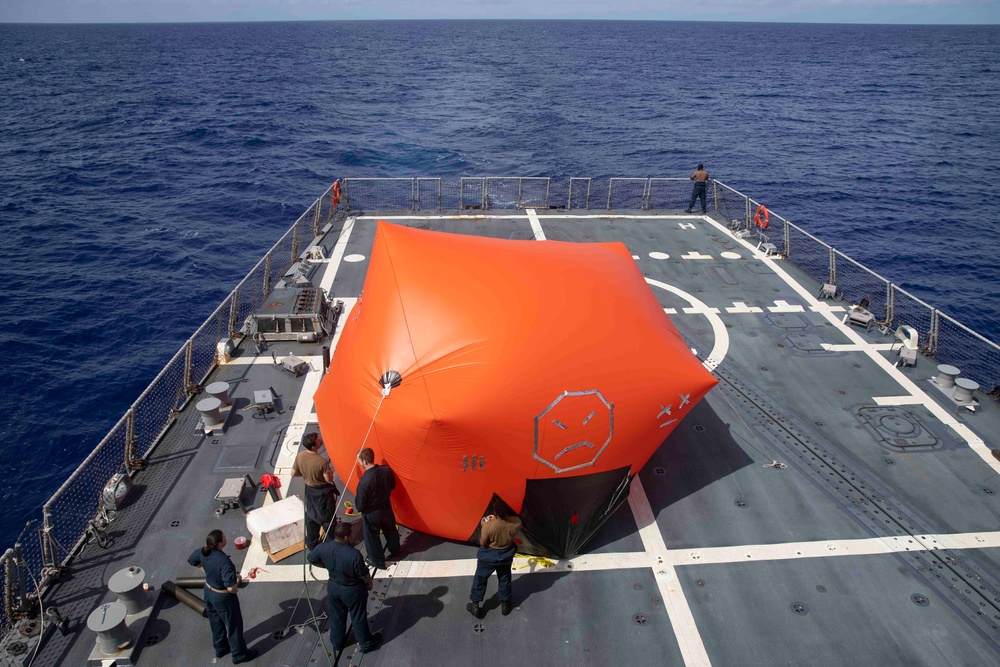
x,y
144,169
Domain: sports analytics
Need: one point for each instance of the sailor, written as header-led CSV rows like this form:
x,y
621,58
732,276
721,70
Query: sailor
x,y
372,500
346,590
700,178
221,603
496,554
321,493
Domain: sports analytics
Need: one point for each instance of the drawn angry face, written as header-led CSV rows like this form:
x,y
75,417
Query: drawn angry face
x,y
574,430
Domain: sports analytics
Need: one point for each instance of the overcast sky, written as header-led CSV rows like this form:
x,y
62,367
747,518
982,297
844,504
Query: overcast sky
x,y
844,11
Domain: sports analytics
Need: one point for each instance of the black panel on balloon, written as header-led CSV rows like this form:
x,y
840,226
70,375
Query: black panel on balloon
x,y
561,515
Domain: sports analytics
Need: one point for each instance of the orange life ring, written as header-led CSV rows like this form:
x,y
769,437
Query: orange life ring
x,y
762,217
335,197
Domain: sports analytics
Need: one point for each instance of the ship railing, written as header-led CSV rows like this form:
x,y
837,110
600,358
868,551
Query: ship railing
x,y
484,193
42,552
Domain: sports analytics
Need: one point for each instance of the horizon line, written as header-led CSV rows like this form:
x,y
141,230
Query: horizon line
x,y
507,19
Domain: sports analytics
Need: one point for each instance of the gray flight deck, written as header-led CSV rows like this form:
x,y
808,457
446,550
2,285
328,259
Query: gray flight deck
x,y
874,540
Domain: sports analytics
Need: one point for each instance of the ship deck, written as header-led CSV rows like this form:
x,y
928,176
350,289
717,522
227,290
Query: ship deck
x,y
872,541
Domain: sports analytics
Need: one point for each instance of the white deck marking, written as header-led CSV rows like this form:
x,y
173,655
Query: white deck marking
x,y
823,307
635,256
536,225
728,254
852,347
687,225
656,254
744,553
694,254
681,619
741,307
719,330
330,274
483,216
909,386
897,400
701,310
670,311
315,362
785,307
355,258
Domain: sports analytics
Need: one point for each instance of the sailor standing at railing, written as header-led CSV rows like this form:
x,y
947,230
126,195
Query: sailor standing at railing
x,y
700,178
221,603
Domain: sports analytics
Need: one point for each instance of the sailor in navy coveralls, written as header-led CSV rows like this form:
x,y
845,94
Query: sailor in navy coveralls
x,y
221,603
372,500
346,590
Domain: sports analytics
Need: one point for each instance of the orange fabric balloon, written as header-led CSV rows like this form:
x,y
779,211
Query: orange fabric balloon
x,y
519,360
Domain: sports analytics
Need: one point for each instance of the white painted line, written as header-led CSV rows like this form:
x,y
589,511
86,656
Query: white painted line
x,y
823,307
909,386
741,307
784,307
687,225
670,311
897,400
536,225
853,347
681,619
287,571
694,254
719,330
701,310
315,362
635,256
330,274
482,216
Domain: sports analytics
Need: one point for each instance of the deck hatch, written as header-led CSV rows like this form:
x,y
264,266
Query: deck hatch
x,y
897,428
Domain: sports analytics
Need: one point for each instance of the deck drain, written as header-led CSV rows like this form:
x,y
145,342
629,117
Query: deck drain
x,y
919,600
763,368
479,628
637,587
700,583
740,502
175,523
659,471
819,423
988,491
889,461
640,619
800,609
152,639
699,427
821,589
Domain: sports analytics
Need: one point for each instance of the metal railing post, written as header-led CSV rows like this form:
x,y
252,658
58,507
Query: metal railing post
x,y
589,183
267,273
832,271
188,366
413,195
520,191
647,186
231,330
610,183
316,216
788,240
548,186
932,342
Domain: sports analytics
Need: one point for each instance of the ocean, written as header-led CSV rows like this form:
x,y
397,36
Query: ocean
x,y
144,169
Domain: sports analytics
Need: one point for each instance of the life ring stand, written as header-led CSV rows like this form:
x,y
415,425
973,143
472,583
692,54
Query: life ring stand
x,y
762,217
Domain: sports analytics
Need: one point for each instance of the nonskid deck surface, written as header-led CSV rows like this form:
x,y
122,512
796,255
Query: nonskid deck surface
x,y
873,539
